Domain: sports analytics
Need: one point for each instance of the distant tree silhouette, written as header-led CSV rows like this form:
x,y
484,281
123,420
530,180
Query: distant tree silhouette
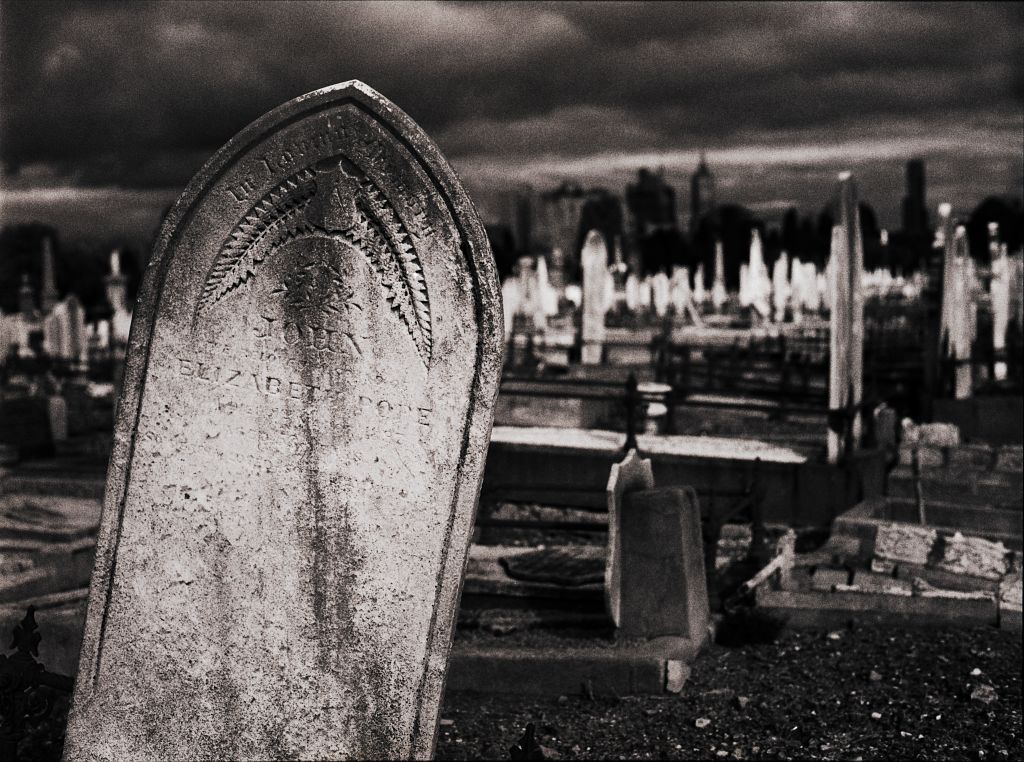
x,y
602,211
21,249
1008,214
732,224
664,249
504,248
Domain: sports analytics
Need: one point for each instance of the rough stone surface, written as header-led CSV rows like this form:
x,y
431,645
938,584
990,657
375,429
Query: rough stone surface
x,y
308,398
826,579
1010,458
632,474
939,434
979,455
974,556
664,591
595,271
905,542
651,444
927,455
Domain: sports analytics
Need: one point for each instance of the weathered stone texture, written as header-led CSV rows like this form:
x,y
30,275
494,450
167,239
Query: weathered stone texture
x,y
664,590
308,400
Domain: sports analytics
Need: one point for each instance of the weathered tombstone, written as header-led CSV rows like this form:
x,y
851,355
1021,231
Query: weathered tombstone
x,y
796,288
781,288
718,293
548,294
632,474
57,413
632,293
663,587
746,292
758,283
999,291
820,291
660,293
959,308
699,291
532,304
846,334
78,338
644,294
510,299
307,404
680,290
594,258
654,579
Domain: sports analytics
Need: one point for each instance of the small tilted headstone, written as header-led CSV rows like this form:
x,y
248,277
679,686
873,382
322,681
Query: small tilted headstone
x,y
632,474
663,589
307,405
595,273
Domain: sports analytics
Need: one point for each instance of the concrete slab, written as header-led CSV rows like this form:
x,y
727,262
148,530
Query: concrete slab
x,y
652,668
818,609
47,517
652,445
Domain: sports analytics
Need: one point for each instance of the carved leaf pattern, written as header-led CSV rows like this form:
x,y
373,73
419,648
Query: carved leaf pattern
x,y
378,232
278,217
393,256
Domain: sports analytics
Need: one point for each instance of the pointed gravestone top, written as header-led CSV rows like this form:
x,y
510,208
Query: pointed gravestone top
x,y
594,257
632,474
307,403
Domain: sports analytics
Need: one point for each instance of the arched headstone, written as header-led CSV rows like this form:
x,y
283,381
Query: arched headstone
x,y
308,398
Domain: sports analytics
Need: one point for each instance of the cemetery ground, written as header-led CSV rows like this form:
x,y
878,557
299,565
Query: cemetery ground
x,y
860,692
868,692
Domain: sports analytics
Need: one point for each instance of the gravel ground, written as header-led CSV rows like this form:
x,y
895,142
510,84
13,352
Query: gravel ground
x,y
872,693
877,693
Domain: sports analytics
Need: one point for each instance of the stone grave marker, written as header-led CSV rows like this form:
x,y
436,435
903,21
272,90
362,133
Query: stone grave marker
x,y
655,583
719,295
595,276
308,399
632,474
846,327
663,589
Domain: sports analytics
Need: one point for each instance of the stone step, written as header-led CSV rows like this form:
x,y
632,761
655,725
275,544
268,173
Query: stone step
x,y
984,488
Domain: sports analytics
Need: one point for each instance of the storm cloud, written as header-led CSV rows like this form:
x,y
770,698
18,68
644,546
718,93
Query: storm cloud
x,y
136,97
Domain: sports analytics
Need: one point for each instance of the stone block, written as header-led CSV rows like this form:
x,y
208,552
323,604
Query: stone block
x,y
904,542
664,591
929,456
977,455
870,582
57,412
939,434
1010,458
677,672
974,556
632,474
825,579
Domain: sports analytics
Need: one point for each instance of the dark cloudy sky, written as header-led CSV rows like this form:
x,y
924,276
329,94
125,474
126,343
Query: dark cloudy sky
x,y
106,110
